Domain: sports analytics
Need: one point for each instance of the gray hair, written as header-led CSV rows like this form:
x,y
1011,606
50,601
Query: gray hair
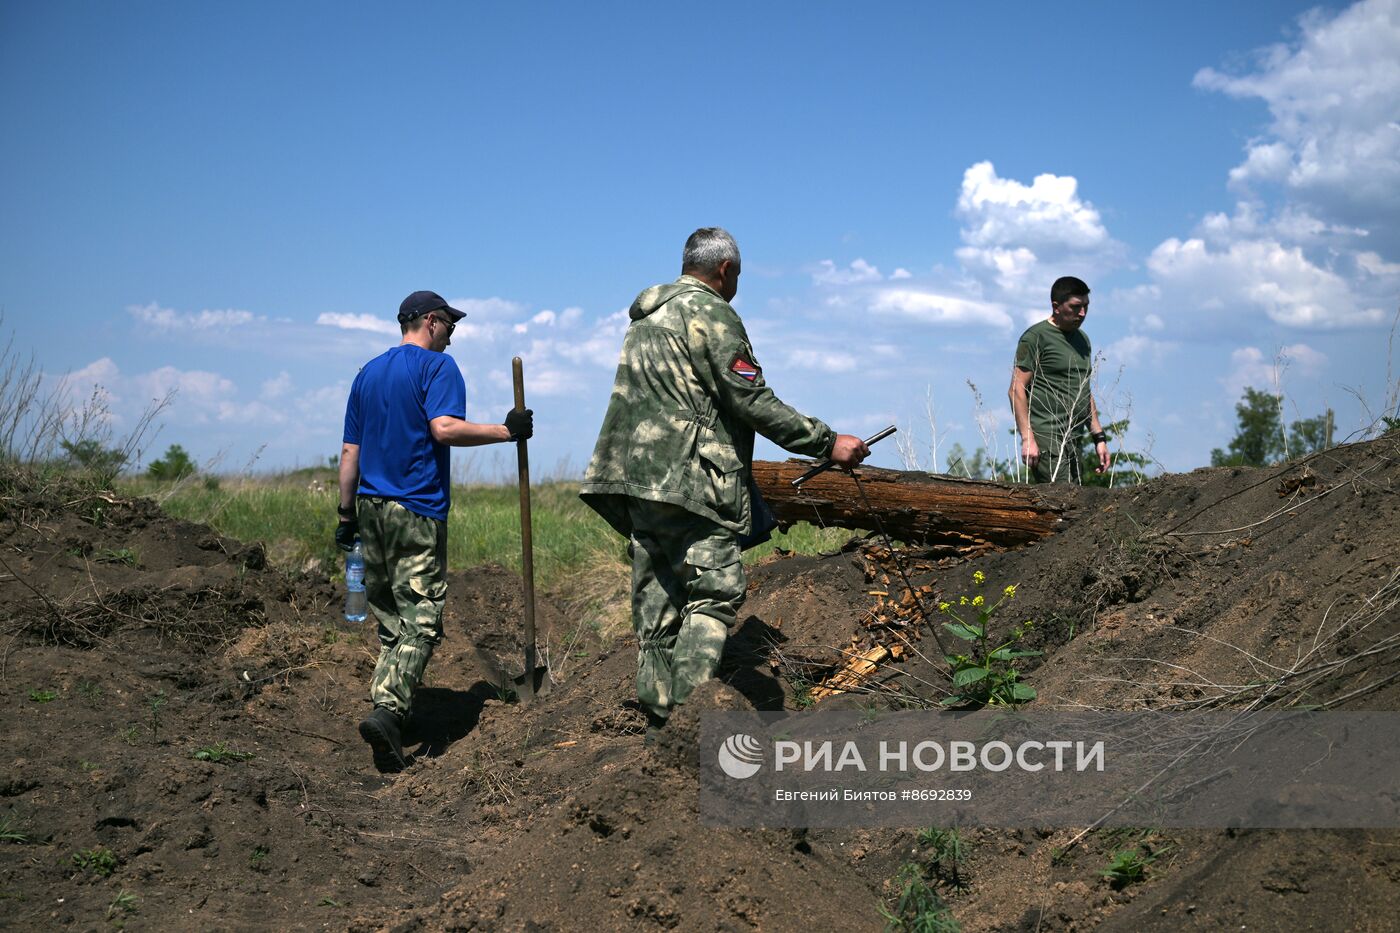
x,y
707,248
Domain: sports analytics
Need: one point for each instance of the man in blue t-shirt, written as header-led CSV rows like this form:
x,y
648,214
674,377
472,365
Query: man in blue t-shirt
x,y
406,408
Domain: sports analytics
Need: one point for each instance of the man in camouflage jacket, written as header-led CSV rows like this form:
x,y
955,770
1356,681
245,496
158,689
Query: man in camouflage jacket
x,y
671,469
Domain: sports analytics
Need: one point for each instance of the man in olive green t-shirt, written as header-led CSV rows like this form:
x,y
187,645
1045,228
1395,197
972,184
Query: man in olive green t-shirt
x,y
1050,389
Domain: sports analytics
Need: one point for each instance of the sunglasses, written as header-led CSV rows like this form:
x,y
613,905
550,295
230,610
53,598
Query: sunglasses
x,y
445,323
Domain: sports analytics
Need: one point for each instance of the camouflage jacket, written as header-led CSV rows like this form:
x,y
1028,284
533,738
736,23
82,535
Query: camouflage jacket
x,y
685,404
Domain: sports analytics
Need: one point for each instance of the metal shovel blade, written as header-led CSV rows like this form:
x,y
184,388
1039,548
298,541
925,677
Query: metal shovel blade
x,y
506,684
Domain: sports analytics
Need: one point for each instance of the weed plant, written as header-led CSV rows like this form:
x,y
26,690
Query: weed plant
x,y
802,692
917,907
42,696
983,676
1127,867
220,752
99,860
947,852
155,704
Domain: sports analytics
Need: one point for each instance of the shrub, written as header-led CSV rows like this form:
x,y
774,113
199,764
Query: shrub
x,y
175,464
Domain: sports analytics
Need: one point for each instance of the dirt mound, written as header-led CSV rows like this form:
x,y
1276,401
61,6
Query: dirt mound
x,y
182,745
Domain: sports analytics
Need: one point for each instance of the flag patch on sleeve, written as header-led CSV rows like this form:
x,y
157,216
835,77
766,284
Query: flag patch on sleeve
x,y
742,367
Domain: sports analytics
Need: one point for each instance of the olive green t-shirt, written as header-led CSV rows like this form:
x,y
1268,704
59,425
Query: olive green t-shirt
x,y
1060,365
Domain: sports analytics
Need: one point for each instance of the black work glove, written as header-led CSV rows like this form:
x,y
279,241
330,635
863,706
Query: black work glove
x,y
345,534
520,424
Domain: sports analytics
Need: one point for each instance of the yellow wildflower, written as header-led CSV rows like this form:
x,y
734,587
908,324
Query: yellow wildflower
x,y
978,600
943,607
1010,591
979,577
962,600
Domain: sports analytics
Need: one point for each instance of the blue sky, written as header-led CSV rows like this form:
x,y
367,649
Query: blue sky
x,y
231,200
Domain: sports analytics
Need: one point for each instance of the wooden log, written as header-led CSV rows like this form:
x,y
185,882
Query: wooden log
x,y
856,671
916,507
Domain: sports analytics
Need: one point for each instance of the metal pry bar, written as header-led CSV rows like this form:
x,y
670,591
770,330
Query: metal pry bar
x,y
828,464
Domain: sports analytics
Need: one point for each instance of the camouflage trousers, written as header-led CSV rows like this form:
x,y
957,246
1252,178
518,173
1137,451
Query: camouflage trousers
x,y
406,582
687,587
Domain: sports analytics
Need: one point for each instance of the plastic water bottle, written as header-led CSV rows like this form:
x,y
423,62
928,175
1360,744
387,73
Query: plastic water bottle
x,y
355,600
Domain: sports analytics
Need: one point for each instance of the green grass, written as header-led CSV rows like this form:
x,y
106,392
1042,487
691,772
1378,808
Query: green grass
x,y
220,752
123,555
294,520
124,903
10,832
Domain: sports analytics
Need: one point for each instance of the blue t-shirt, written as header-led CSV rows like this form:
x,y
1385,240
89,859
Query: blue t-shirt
x,y
394,397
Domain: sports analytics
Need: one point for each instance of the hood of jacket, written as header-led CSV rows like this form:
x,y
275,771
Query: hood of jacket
x,y
656,296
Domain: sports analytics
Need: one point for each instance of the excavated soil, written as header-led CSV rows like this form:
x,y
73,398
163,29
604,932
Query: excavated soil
x,y
181,751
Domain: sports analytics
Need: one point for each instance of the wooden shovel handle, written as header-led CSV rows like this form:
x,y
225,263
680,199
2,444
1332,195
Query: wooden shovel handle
x,y
527,550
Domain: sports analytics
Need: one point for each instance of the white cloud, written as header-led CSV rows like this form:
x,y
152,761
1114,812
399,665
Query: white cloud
x,y
1334,138
1249,366
358,322
189,385
932,308
1260,275
858,271
826,361
900,273
195,396
277,386
552,381
1135,348
168,319
1011,270
602,345
100,373
547,319
1048,212
90,393
569,365
1018,238
254,412
1373,264
1127,350
1291,225
489,309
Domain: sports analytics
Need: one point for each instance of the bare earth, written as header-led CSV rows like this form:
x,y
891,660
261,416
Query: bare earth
x,y
1193,589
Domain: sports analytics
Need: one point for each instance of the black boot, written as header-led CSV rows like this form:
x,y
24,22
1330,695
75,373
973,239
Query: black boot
x,y
381,730
655,724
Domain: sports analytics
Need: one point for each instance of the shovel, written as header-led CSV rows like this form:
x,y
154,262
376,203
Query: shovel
x,y
535,681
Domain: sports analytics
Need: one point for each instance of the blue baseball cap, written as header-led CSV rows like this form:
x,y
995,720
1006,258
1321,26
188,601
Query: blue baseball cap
x,y
421,303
